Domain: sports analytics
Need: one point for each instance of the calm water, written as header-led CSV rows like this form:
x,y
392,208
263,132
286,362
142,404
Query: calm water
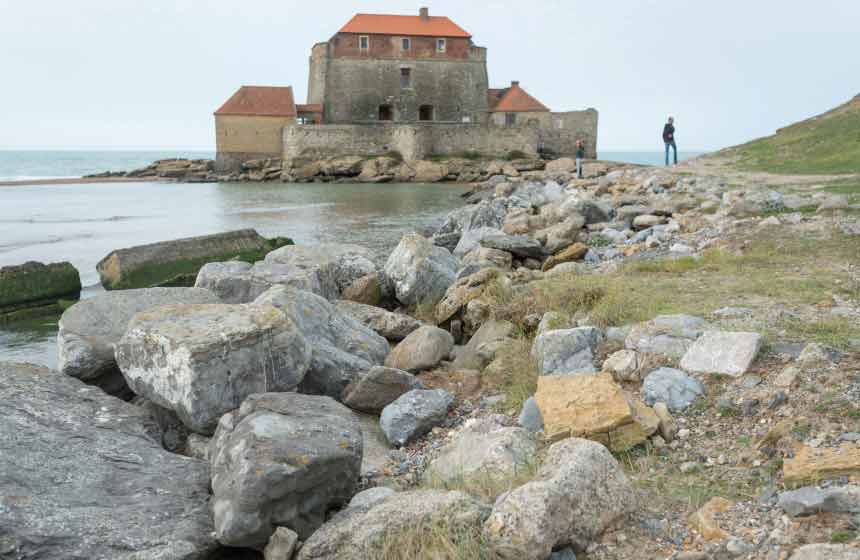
x,y
83,223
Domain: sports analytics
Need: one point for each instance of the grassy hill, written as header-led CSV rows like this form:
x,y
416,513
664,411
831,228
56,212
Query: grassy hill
x,y
826,144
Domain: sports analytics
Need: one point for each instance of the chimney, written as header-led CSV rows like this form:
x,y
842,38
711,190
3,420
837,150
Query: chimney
x,y
425,14
515,84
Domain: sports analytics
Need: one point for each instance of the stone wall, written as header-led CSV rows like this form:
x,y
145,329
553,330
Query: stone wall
x,y
559,135
317,67
413,141
355,88
240,138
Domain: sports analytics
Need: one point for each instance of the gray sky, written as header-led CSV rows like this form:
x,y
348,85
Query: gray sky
x,y
149,73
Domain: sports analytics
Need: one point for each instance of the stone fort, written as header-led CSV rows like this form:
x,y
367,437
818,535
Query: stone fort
x,y
416,85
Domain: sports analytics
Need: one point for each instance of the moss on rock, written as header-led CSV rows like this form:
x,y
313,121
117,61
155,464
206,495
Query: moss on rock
x,y
35,287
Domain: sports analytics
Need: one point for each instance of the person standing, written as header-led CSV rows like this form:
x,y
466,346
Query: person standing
x,y
580,155
669,140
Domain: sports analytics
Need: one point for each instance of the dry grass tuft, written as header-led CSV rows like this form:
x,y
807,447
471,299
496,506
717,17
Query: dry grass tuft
x,y
434,541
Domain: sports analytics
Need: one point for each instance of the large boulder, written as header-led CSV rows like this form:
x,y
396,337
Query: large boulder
x,y
727,353
566,351
33,287
179,260
579,491
414,414
666,335
487,213
85,477
241,282
282,459
419,271
518,245
811,500
342,348
673,387
378,388
423,349
484,446
593,406
90,329
482,347
471,239
359,532
336,265
203,360
392,326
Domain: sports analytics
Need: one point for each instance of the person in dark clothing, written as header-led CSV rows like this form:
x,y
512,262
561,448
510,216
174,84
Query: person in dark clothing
x,y
580,155
669,140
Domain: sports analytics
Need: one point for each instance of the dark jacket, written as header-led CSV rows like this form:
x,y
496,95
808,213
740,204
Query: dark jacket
x,y
668,133
580,152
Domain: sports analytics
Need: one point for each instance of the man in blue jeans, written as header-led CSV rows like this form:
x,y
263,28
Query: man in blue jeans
x,y
669,139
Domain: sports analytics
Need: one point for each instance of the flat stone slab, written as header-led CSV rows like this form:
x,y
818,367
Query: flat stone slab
x,y
85,477
727,353
155,264
666,335
810,500
202,361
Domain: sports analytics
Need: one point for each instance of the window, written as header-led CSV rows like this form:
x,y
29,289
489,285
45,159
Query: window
x,y
510,119
405,44
385,113
425,113
405,78
363,42
441,45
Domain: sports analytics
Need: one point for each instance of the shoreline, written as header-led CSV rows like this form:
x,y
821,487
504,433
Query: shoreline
x,y
79,181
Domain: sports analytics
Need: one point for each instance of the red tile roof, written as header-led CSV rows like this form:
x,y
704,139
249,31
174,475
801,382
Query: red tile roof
x,y
433,26
309,108
514,100
260,101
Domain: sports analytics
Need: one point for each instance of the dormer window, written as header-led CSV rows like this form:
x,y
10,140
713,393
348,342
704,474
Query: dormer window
x,y
441,45
363,42
405,44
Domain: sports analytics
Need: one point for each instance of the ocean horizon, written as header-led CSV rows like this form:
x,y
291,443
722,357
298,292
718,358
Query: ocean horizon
x,y
30,164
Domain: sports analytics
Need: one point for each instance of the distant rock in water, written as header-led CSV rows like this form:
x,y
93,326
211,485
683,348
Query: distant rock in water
x,y
35,288
176,262
85,477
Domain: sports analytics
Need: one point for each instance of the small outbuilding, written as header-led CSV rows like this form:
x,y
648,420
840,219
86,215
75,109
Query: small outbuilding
x,y
250,125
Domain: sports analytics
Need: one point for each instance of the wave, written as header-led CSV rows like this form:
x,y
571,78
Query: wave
x,y
49,220
5,178
21,244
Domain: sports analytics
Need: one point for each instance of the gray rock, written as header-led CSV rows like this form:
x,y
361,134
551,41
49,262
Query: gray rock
x,y
566,351
85,477
530,417
241,282
471,240
392,326
90,328
370,497
518,245
671,386
378,388
197,446
376,447
566,553
481,348
335,265
667,335
414,414
553,321
282,545
342,348
282,459
421,350
203,360
487,213
579,491
357,532
174,434
483,446
623,365
447,240
727,353
419,271
826,552
810,500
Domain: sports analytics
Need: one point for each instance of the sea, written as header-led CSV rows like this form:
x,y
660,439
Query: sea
x,y
83,223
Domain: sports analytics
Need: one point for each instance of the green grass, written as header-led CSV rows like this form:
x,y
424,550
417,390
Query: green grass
x,y
840,536
827,144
